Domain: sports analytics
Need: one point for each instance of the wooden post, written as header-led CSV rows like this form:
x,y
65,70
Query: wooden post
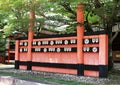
x,y
103,55
80,35
8,50
32,17
17,57
30,39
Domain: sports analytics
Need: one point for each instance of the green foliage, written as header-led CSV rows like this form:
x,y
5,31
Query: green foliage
x,y
53,14
2,44
8,29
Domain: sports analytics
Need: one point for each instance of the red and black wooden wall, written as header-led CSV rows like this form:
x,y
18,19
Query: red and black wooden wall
x,y
79,54
59,54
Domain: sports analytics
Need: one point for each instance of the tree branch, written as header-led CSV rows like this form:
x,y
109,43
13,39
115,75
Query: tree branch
x,y
115,35
54,19
97,4
67,7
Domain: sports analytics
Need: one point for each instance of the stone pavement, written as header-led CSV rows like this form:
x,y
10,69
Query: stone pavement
x,y
3,66
9,80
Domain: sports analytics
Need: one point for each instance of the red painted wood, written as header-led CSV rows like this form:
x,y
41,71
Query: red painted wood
x,y
91,73
103,53
23,67
67,58
56,70
80,33
16,50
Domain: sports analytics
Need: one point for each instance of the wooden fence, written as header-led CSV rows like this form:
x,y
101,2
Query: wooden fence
x,y
79,54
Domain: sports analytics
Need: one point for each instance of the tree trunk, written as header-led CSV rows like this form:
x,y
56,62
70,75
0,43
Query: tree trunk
x,y
114,36
110,57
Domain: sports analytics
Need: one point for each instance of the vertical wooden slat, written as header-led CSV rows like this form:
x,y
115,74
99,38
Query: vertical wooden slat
x,y
103,50
103,55
17,50
80,35
30,38
17,57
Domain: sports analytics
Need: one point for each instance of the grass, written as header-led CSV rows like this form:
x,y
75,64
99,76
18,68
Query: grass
x,y
38,78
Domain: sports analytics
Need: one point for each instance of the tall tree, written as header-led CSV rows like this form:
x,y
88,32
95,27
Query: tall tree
x,y
105,13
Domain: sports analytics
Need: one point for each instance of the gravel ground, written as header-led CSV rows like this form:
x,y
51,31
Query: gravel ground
x,y
94,80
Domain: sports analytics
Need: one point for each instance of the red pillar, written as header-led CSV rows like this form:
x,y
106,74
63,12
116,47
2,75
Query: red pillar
x,y
80,35
30,39
8,50
17,57
103,55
